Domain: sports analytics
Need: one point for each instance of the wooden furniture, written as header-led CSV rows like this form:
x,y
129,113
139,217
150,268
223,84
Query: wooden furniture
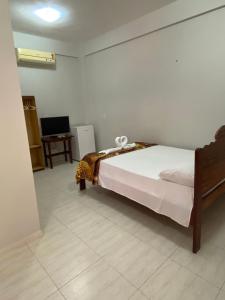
x,y
36,151
47,141
209,181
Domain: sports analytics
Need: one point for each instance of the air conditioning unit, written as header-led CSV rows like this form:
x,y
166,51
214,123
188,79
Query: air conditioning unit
x,y
35,56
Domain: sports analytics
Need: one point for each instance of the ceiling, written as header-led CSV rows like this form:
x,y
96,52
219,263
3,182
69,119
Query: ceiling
x,y
82,19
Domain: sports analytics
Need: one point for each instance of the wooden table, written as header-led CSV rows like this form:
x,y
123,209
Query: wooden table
x,y
47,141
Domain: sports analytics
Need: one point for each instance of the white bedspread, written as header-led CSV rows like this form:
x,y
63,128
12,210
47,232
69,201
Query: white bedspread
x,y
136,176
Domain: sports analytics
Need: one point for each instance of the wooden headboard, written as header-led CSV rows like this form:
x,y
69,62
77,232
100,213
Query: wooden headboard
x,y
210,169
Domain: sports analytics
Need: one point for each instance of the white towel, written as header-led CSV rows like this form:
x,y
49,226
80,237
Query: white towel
x,y
110,150
117,141
121,141
128,146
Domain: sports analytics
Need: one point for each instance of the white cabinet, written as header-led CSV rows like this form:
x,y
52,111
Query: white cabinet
x,y
83,141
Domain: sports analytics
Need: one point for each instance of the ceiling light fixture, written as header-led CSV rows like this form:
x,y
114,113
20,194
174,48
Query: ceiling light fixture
x,y
48,14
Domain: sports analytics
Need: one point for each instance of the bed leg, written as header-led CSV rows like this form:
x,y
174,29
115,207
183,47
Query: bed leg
x,y
82,184
197,230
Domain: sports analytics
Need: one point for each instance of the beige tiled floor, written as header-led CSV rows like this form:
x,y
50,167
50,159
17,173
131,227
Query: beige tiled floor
x,y
99,245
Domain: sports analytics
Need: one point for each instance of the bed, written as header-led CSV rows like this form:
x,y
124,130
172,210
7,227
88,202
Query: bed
x,y
136,175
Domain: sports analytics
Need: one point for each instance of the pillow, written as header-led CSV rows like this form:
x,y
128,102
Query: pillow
x,y
183,175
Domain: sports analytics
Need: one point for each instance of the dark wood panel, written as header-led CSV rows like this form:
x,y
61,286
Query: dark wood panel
x,y
210,164
209,181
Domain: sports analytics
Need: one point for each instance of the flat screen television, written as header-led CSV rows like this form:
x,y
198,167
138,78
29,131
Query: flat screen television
x,y
55,125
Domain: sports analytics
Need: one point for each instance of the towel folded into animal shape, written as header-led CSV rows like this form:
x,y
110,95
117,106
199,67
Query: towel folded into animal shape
x,y
121,141
111,150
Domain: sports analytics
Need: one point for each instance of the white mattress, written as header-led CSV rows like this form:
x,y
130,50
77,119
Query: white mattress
x,y
136,176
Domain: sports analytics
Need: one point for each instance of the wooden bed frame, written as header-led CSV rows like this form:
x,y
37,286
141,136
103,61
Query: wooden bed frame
x,y
209,183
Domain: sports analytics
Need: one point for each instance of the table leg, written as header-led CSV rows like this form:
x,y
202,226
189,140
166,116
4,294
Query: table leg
x,y
70,151
64,143
50,155
82,184
45,154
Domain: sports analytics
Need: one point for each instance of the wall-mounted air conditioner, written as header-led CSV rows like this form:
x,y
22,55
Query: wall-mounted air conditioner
x,y
35,56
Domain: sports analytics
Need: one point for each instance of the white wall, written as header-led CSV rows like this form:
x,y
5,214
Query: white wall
x,y
166,86
30,41
177,11
57,91
161,70
18,208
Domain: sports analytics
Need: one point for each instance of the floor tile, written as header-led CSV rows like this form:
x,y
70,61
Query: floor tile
x,y
12,255
49,224
85,221
99,245
56,296
209,263
104,236
53,239
102,201
213,232
138,296
174,282
129,218
58,203
68,213
221,295
22,277
64,256
135,260
98,282
157,235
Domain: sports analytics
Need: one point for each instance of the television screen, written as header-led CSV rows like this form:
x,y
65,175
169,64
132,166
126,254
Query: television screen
x,y
55,125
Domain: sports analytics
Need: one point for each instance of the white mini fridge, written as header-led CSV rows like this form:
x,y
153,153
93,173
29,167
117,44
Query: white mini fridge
x,y
83,141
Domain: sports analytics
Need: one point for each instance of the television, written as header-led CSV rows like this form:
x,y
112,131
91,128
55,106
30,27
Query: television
x,y
55,125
